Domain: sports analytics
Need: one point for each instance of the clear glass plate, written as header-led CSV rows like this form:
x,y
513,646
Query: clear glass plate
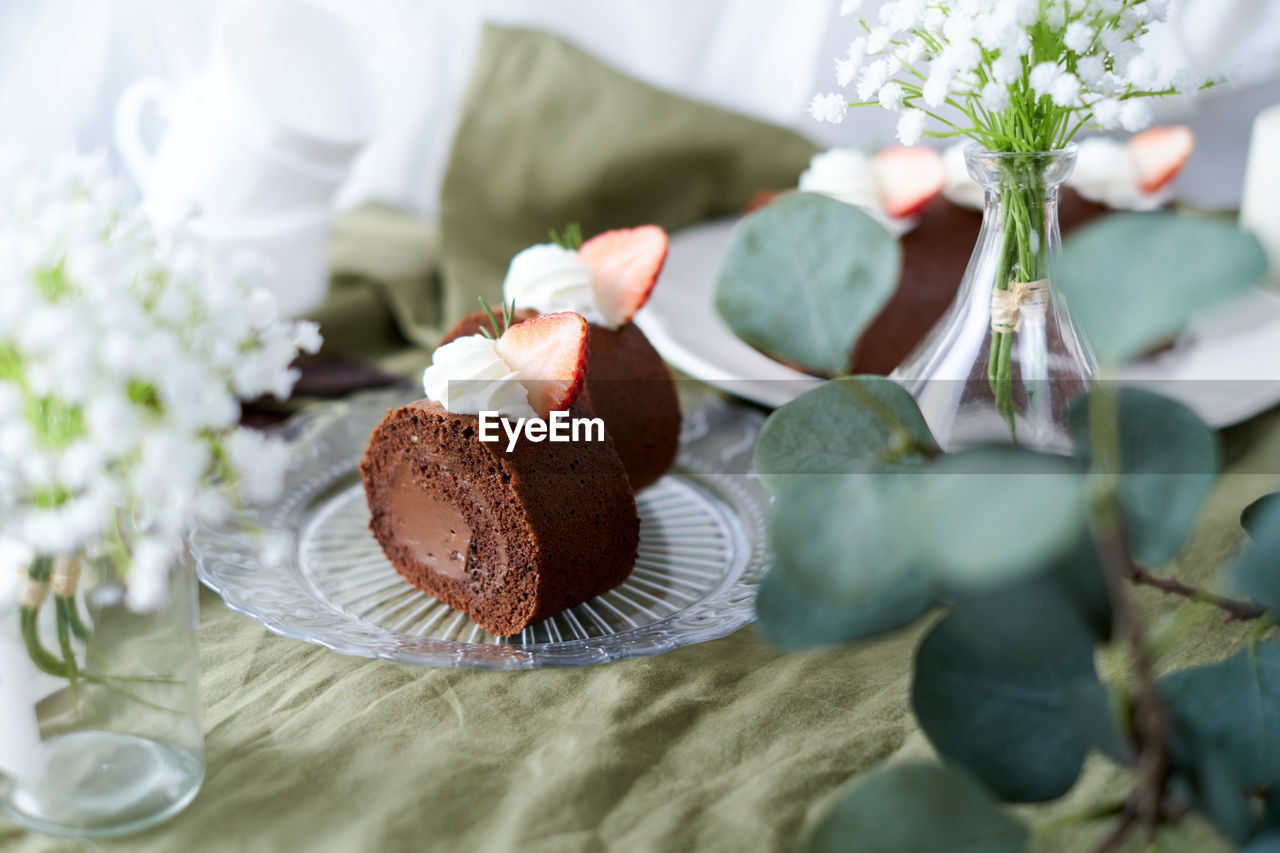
x,y
702,553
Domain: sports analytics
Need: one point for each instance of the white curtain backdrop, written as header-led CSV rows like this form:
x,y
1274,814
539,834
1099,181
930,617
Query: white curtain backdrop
x,y
64,63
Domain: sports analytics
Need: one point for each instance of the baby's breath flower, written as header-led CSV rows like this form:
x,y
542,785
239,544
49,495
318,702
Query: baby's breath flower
x,y
891,95
911,127
1091,70
878,39
1142,72
848,66
1079,36
830,107
119,387
850,7
1135,115
1043,76
1107,113
1006,70
873,77
976,60
1066,90
995,97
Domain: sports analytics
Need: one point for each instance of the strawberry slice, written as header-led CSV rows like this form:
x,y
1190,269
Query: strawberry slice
x,y
1160,153
550,352
908,179
624,267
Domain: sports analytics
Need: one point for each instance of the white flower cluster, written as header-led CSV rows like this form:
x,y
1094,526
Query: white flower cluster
x,y
1050,64
123,357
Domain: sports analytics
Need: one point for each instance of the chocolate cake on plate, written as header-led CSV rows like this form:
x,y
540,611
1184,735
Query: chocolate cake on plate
x,y
509,536
628,385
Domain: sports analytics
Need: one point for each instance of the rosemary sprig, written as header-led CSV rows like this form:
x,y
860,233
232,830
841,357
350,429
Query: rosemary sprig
x,y
508,318
571,238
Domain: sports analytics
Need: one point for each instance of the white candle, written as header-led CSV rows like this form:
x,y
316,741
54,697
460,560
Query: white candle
x,y
1260,208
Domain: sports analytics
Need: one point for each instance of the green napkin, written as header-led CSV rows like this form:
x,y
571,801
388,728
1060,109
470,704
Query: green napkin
x,y
550,134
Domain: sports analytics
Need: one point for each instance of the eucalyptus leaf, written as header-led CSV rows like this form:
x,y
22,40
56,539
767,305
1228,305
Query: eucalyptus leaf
x,y
844,426
1233,708
1168,462
836,537
1134,280
1201,777
804,276
1023,621
1006,722
1256,571
794,619
1221,797
1266,843
1254,512
917,808
990,515
1091,708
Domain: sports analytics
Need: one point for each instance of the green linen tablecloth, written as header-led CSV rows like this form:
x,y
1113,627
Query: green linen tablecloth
x,y
727,745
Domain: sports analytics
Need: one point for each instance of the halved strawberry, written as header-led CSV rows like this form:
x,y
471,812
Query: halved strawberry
x,y
759,199
1160,153
909,178
550,352
624,267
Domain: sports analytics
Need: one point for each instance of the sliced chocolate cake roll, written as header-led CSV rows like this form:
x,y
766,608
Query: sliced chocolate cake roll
x,y
508,538
509,526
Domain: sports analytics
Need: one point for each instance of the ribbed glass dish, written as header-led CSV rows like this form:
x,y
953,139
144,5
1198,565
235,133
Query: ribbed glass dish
x,y
308,567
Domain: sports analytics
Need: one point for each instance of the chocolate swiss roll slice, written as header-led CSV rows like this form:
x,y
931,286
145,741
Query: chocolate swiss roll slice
x,y
509,538
479,509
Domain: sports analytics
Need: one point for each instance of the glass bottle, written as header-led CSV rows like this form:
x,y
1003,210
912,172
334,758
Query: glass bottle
x,y
1004,361
107,696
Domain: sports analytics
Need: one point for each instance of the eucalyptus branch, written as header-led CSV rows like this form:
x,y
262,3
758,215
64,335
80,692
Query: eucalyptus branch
x,y
1151,721
1171,812
1236,611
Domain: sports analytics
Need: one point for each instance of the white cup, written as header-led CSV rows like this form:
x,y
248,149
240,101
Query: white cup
x,y
295,250
270,127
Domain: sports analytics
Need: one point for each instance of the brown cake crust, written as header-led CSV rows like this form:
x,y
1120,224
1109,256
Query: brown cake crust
x,y
628,386
546,526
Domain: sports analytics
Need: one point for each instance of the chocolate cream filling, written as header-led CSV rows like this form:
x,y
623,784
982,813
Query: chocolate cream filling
x,y
432,530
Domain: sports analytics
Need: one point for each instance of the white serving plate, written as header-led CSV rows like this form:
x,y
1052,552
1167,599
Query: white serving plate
x,y
1226,367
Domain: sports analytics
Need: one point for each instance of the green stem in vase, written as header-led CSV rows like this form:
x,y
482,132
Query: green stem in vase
x,y
78,628
1022,225
61,605
29,615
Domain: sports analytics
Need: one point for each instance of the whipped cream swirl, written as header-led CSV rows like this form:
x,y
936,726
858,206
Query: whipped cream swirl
x,y
1107,174
467,376
844,174
550,278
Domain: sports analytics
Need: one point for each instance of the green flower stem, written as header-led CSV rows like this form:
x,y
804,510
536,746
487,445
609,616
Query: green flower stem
x,y
1022,212
29,617
61,606
70,625
78,628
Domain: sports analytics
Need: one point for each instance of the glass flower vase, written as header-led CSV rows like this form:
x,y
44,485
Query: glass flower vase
x,y
101,697
1004,361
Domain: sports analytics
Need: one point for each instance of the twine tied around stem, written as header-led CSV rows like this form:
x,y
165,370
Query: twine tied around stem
x,y
1021,297
65,577
34,590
